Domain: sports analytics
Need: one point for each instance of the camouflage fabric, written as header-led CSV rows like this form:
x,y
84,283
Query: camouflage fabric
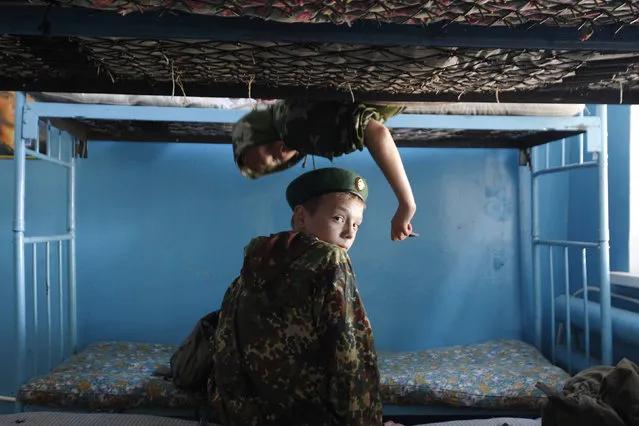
x,y
192,363
601,395
294,344
327,129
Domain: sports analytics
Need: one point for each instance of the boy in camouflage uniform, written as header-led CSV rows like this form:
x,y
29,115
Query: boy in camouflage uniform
x,y
272,140
294,345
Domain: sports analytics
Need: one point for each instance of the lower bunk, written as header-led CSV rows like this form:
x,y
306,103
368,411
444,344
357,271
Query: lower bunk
x,y
491,379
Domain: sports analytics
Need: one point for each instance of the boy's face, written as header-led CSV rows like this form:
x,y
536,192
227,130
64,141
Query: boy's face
x,y
264,157
335,220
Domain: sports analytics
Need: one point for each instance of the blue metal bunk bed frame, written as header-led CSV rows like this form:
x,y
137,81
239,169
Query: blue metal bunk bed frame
x,y
30,115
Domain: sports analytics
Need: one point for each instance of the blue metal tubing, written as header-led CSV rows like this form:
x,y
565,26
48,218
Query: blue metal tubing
x,y
69,22
73,310
60,300
48,290
59,145
212,115
581,143
46,157
477,122
584,280
49,239
562,243
604,240
565,167
568,323
18,237
537,303
537,297
35,309
48,153
126,112
552,306
547,150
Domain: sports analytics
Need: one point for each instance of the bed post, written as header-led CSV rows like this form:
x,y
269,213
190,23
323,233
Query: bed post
x,y
604,240
537,294
73,311
18,238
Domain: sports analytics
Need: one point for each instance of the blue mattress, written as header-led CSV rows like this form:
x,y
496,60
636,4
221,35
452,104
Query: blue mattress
x,y
118,376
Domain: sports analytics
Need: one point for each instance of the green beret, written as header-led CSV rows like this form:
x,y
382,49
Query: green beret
x,y
323,181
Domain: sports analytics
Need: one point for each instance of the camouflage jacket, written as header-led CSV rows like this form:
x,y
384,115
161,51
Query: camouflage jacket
x,y
294,344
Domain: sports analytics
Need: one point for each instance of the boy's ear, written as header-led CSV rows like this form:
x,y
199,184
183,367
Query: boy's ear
x,y
299,216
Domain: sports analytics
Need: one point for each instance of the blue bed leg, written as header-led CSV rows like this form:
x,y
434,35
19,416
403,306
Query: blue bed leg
x,y
604,240
18,238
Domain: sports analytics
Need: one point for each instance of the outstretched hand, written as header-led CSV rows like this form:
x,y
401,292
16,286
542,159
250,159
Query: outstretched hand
x,y
400,224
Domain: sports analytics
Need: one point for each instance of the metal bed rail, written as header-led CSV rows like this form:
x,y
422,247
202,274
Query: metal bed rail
x,y
56,278
559,250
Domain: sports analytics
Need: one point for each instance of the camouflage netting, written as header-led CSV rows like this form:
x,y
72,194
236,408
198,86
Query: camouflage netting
x,y
569,13
157,131
92,64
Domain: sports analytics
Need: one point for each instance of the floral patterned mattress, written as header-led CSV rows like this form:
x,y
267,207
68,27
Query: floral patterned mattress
x,y
499,374
111,376
117,376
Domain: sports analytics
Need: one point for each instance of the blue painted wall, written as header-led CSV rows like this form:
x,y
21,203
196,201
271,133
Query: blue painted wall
x,y
161,229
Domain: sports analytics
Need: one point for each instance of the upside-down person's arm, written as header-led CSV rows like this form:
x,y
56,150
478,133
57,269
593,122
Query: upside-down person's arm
x,y
380,143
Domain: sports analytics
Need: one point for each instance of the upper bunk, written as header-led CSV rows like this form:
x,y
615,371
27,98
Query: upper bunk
x,y
533,51
149,118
